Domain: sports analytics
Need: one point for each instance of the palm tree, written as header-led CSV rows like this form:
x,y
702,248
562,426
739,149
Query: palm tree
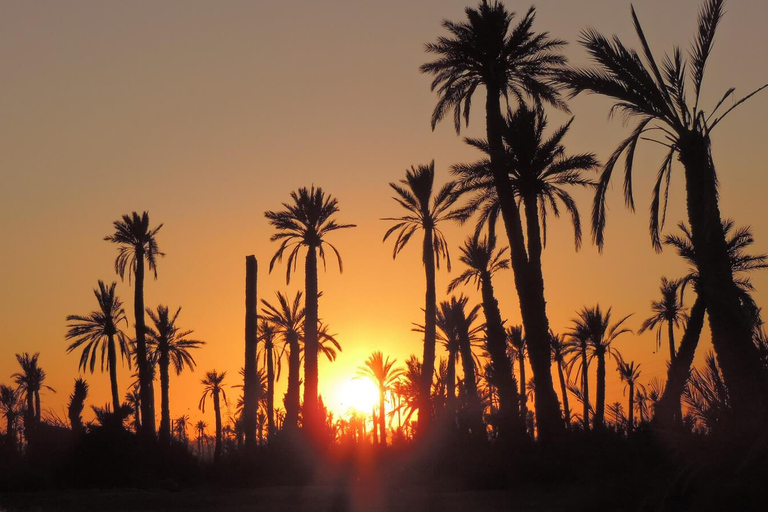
x,y
629,373
425,211
327,344
200,427
576,349
658,96
180,428
9,406
595,326
707,396
30,382
213,386
101,329
559,351
306,223
448,336
136,243
168,344
273,363
670,311
384,375
288,322
517,346
512,62
668,409
483,261
133,399
76,406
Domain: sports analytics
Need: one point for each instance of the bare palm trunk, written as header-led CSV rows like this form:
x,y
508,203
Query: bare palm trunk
x,y
430,333
311,413
382,424
165,409
112,358
217,411
523,394
470,384
38,412
585,388
564,392
730,324
600,393
671,331
292,395
451,386
631,425
145,379
528,280
270,393
250,369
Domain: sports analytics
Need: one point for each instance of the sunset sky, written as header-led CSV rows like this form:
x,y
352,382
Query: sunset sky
x,y
206,114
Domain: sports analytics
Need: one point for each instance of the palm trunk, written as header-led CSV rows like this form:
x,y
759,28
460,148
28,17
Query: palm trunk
x,y
451,386
667,409
470,383
600,394
631,426
564,392
250,370
671,331
270,392
165,409
145,380
503,377
217,411
523,394
585,387
38,412
382,423
430,333
292,395
528,280
730,325
112,360
311,415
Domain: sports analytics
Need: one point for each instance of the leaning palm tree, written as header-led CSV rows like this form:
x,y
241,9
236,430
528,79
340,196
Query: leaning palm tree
x,y
169,345
559,345
517,347
595,325
101,329
629,372
659,97
29,382
213,386
306,222
483,261
425,211
272,361
384,375
9,407
287,319
136,243
510,62
670,311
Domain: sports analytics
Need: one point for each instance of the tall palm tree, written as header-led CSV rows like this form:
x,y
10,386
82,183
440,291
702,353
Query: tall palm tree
x,y
629,373
483,261
287,318
518,348
668,409
425,212
306,222
136,243
513,62
659,97
101,329
272,361
670,311
384,375
576,350
213,386
9,406
559,345
169,345
30,381
595,325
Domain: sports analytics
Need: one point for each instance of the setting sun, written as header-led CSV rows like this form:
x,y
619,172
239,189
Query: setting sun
x,y
359,395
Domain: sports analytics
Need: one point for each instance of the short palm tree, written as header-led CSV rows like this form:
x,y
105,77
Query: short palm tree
x,y
30,381
137,243
101,329
595,325
485,50
664,98
200,427
9,407
287,318
425,211
576,351
272,358
169,345
629,372
213,386
559,345
668,312
382,372
133,399
518,348
305,223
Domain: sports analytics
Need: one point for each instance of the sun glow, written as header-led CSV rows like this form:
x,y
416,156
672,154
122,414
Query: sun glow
x,y
359,395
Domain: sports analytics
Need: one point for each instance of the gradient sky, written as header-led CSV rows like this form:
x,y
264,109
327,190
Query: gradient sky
x,y
206,114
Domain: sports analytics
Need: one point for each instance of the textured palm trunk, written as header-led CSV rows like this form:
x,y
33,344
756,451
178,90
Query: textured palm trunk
x,y
631,425
250,370
528,280
585,388
523,394
503,377
312,421
470,383
430,333
112,359
145,379
564,392
292,395
730,324
270,392
671,334
600,393
667,409
38,412
165,409
29,414
217,411
382,423
451,385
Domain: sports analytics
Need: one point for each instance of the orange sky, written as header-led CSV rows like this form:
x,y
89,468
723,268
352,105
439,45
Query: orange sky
x,y
209,114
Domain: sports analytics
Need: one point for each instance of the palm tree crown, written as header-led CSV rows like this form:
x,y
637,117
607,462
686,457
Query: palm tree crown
x,y
135,240
669,310
168,340
480,257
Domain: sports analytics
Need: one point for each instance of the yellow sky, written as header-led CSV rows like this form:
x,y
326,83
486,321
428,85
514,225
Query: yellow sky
x,y
209,114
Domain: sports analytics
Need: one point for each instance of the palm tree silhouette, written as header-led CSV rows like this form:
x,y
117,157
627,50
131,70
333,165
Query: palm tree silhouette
x,y
448,336
517,347
288,322
595,326
483,261
213,386
576,349
559,351
670,311
76,406
629,373
136,243
133,399
272,361
200,427
384,375
101,329
659,98
513,62
30,381
306,222
425,211
9,406
167,344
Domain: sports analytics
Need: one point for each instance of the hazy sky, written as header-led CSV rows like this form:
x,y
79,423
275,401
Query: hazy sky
x,y
206,114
